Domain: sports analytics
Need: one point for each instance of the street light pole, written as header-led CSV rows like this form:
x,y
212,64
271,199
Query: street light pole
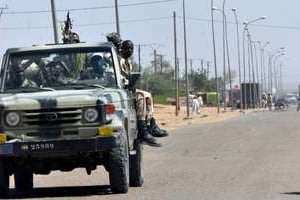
x,y
117,16
270,70
256,89
176,66
215,57
54,21
244,70
275,71
185,61
249,68
224,56
239,55
262,64
228,57
250,57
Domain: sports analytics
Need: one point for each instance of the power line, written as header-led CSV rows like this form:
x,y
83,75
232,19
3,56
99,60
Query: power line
x,y
281,27
257,25
85,25
87,8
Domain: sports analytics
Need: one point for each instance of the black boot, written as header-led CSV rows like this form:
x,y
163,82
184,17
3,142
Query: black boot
x,y
155,130
145,136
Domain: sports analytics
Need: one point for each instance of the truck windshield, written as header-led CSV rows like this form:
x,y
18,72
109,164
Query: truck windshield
x,y
60,69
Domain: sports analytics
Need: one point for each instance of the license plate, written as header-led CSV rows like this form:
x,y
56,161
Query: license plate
x,y
39,147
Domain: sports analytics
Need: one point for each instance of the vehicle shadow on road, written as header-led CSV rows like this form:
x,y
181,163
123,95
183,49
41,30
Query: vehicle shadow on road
x,y
61,192
291,193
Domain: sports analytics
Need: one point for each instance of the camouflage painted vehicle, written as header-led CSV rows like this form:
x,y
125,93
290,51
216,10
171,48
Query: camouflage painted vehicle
x,y
61,109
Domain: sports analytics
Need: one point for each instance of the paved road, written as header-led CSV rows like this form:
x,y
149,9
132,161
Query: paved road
x,y
256,156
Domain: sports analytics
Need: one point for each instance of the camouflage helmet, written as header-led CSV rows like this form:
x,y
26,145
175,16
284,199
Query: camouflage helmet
x,y
115,38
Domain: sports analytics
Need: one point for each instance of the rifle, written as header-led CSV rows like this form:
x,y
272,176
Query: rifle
x,y
69,36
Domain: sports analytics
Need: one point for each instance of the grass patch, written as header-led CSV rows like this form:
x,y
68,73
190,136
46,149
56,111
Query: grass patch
x,y
160,99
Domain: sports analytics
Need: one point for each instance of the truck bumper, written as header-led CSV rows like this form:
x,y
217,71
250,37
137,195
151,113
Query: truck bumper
x,y
40,148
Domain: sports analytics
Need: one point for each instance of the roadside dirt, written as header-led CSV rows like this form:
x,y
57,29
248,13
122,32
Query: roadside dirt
x,y
166,118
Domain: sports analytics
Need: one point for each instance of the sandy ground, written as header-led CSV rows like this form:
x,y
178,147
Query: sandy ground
x,y
166,118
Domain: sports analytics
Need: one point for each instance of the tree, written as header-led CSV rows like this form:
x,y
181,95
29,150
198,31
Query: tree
x,y
159,83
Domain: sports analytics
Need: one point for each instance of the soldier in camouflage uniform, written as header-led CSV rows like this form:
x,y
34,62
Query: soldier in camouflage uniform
x,y
149,110
125,50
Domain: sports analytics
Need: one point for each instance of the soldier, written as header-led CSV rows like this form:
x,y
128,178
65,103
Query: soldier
x,y
125,50
152,126
17,77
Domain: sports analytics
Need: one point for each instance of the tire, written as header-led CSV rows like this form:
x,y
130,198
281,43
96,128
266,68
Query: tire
x,y
118,163
23,179
136,178
4,179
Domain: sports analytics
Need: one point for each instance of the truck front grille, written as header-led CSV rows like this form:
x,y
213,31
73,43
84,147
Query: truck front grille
x,y
49,117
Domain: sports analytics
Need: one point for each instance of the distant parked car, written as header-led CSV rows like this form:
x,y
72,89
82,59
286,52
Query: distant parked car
x,y
280,103
291,100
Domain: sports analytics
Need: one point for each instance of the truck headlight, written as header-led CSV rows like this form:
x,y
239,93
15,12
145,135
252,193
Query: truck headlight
x,y
12,119
91,115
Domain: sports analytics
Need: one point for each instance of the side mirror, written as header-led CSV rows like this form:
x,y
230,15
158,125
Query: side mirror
x,y
133,78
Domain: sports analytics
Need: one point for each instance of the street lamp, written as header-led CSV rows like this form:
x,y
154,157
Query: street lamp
x,y
262,63
275,71
280,76
239,54
256,89
225,43
228,57
250,55
270,70
185,61
215,57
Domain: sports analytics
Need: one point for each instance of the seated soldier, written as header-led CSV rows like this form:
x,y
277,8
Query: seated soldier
x,y
153,127
125,51
143,129
17,78
95,68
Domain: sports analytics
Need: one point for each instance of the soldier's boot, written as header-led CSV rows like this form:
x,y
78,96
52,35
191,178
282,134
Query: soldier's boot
x,y
155,130
145,135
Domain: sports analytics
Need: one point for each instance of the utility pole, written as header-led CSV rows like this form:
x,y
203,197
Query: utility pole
x,y
139,55
117,16
176,65
155,62
185,62
54,20
207,69
161,63
215,56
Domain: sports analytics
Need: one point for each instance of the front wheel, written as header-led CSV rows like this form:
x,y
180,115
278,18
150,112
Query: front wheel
x,y
118,167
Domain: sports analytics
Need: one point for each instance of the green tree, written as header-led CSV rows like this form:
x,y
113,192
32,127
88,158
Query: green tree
x,y
160,83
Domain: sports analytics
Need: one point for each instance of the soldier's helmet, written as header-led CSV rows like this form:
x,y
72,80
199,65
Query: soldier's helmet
x,y
115,38
126,49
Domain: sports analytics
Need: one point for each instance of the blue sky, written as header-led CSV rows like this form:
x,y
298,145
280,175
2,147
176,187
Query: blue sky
x,y
92,25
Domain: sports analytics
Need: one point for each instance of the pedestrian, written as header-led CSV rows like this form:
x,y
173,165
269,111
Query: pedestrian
x,y
200,102
195,105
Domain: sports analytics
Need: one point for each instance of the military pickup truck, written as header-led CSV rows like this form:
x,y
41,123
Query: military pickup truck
x,y
64,107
